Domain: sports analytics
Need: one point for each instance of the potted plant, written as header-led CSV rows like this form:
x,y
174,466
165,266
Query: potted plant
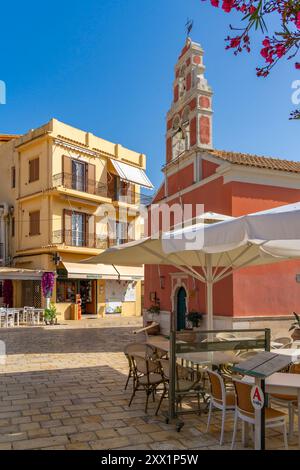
x,y
295,327
50,314
154,309
194,318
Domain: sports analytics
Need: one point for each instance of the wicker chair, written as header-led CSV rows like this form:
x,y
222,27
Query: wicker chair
x,y
147,377
188,384
285,341
141,349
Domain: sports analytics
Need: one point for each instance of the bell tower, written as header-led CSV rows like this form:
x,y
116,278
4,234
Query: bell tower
x,y
189,120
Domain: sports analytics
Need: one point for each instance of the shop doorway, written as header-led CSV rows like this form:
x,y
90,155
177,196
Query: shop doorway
x,y
181,308
87,290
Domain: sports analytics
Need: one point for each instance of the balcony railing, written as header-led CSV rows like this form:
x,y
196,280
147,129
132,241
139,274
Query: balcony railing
x,y
70,181
129,197
79,239
117,241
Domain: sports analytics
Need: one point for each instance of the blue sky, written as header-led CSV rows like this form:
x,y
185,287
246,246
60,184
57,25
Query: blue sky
x,y
107,66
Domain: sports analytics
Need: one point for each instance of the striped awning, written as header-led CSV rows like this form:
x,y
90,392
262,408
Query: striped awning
x,y
132,174
103,271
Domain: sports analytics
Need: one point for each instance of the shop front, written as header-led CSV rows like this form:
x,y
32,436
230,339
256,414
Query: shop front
x,y
21,287
99,290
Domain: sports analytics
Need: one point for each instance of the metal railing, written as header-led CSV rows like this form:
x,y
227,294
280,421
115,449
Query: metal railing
x,y
79,239
117,241
83,184
129,197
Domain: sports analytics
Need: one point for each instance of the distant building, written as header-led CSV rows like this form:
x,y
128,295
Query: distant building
x,y
228,183
60,188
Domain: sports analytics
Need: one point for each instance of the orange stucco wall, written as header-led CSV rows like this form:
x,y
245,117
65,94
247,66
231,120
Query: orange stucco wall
x,y
208,168
181,180
257,291
271,289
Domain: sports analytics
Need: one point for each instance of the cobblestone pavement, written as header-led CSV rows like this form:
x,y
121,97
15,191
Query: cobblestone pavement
x,y
62,387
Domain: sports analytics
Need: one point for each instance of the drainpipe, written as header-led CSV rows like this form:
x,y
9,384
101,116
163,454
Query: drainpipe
x,y
4,214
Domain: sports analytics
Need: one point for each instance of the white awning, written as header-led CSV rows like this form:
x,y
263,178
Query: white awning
x,y
19,274
103,271
131,173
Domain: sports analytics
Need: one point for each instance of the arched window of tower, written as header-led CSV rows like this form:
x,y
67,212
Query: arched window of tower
x,y
182,81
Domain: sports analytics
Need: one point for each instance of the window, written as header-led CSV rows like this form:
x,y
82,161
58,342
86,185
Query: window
x,y
66,291
13,176
13,227
34,223
78,175
34,170
121,232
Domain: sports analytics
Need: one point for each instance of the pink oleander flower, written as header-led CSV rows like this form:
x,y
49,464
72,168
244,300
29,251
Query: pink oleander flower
x,y
280,50
227,5
298,20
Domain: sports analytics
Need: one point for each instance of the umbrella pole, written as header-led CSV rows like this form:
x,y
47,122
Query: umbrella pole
x,y
209,291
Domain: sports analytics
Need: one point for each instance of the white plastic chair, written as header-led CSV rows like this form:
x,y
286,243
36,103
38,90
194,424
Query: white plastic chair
x,y
2,317
246,413
288,401
220,398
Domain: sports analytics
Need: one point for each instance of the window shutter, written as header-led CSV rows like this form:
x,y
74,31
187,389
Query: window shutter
x,y
67,171
90,231
34,169
30,171
37,168
91,179
34,223
111,186
13,176
67,227
112,231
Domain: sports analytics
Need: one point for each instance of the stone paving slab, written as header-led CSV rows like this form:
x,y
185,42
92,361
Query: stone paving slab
x,y
62,387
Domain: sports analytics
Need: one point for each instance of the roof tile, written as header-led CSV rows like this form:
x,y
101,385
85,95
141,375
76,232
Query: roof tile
x,y
257,161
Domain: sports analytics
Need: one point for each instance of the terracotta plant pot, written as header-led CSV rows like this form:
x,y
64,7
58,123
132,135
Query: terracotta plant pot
x,y
296,334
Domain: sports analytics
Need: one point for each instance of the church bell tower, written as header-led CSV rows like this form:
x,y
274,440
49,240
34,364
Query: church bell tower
x,y
189,120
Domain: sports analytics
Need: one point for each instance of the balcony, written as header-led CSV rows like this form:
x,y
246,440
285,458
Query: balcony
x,y
117,241
78,239
70,181
129,197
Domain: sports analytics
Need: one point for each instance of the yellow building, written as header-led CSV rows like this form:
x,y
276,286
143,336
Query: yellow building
x,y
66,195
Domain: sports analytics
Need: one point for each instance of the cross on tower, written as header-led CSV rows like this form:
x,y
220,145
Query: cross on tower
x,y
189,26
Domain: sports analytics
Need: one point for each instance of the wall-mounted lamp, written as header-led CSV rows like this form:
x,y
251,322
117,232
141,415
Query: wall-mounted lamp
x,y
56,258
162,280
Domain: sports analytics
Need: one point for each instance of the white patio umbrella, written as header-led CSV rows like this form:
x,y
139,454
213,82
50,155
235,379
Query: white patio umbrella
x,y
210,253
